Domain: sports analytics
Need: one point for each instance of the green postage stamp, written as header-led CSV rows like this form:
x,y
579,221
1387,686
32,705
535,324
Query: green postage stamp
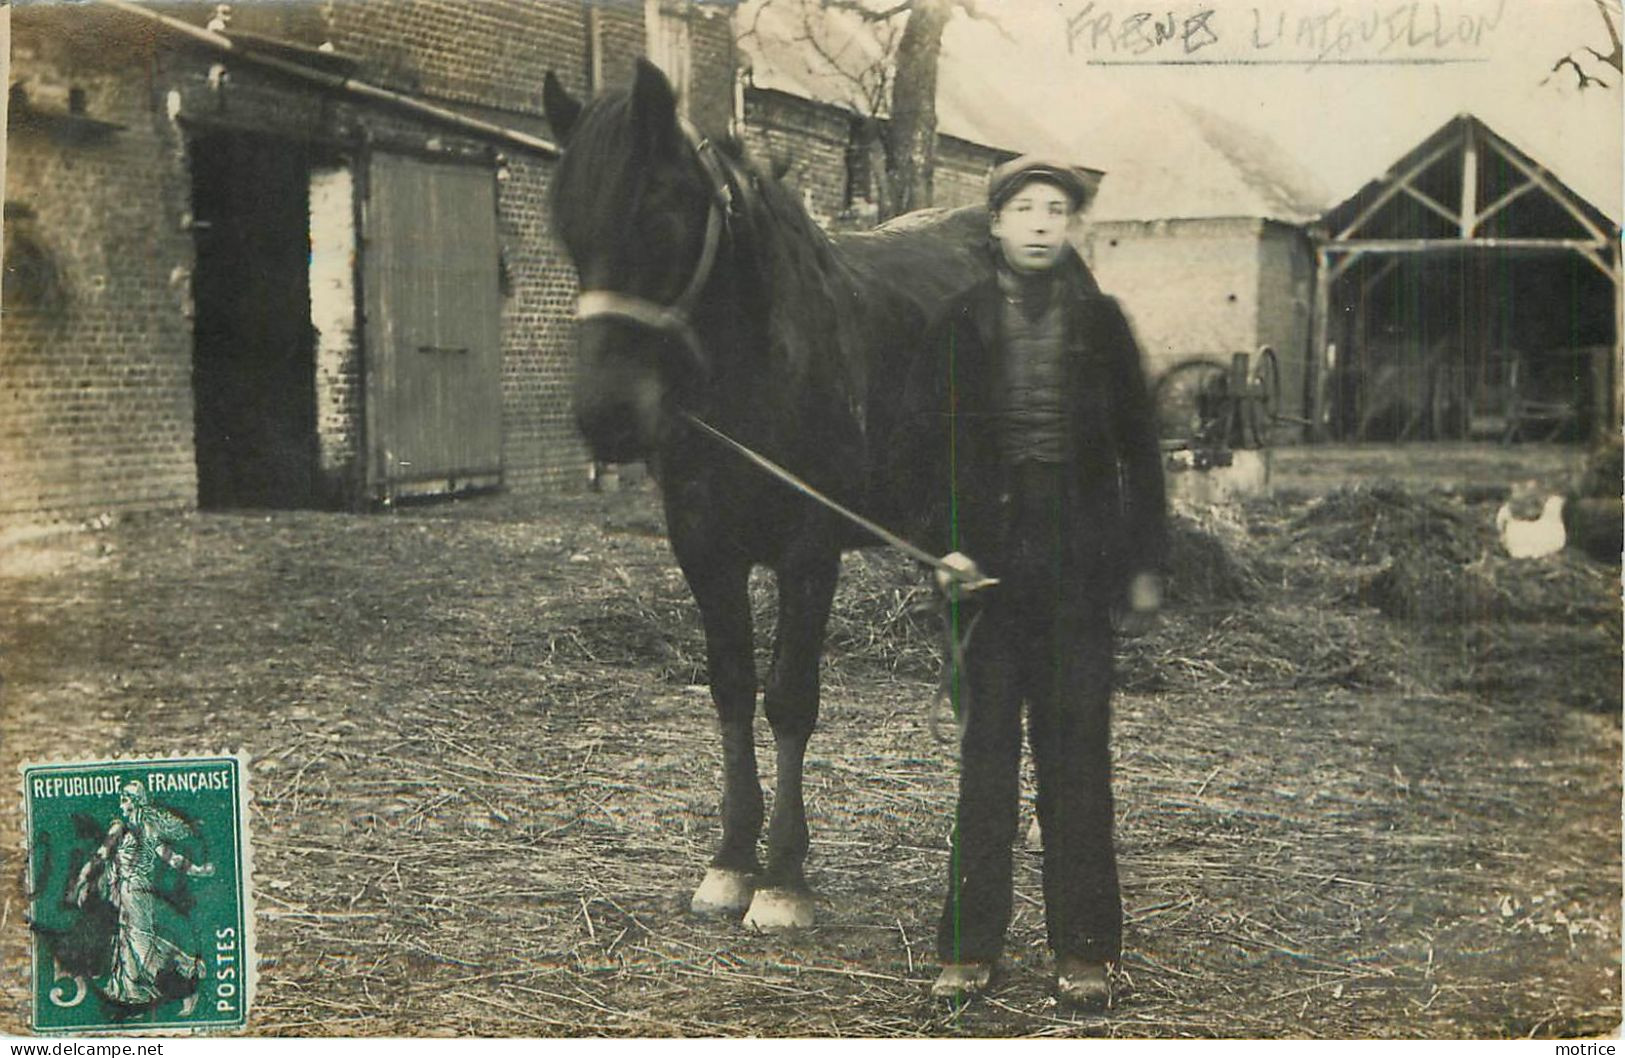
x,y
139,875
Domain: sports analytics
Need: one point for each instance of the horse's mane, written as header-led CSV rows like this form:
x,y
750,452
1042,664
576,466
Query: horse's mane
x,y
767,197
813,288
786,263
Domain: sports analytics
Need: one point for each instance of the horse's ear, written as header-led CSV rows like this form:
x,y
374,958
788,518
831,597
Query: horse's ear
x,y
561,107
654,108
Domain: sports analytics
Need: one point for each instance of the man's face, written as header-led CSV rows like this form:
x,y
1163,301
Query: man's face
x,y
1031,226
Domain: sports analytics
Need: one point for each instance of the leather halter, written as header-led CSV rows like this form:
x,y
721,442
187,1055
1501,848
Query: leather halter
x,y
674,318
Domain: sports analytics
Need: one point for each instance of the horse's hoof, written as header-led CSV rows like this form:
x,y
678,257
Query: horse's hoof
x,y
1082,985
960,982
777,910
723,892
1035,838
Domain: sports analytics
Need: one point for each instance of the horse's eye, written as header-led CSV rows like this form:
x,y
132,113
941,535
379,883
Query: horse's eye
x,y
663,227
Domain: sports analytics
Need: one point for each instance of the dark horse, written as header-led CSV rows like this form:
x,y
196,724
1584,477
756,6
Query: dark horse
x,y
707,290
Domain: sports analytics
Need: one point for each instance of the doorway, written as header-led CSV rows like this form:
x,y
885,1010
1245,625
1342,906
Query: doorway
x,y
253,356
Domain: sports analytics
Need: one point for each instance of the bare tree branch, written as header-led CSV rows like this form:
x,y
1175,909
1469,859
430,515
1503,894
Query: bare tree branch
x,y
1613,59
1580,58
865,12
870,82
1616,57
978,11
1583,80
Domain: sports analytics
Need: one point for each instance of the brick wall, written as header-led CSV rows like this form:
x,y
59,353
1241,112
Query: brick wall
x,y
806,141
810,141
339,411
95,404
620,38
961,175
541,448
491,53
715,59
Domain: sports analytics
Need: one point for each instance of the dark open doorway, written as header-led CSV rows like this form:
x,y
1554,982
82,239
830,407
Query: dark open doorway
x,y
1450,345
253,345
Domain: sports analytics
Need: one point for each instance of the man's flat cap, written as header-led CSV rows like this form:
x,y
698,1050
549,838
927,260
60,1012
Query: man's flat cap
x,y
1015,174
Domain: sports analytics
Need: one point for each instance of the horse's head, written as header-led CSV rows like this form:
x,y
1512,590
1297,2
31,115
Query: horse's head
x,y
640,204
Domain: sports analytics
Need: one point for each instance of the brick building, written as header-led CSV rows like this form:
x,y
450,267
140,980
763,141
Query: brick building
x,y
233,280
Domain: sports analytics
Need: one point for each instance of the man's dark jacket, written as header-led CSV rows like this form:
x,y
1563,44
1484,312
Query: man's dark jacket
x,y
946,464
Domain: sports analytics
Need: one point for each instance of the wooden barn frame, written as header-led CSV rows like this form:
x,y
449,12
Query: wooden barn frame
x,y
1466,207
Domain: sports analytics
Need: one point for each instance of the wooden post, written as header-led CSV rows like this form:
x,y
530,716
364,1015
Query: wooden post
x,y
1317,375
1616,365
1469,182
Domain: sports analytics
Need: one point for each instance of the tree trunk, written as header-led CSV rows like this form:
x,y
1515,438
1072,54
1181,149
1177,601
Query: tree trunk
x,y
911,133
872,143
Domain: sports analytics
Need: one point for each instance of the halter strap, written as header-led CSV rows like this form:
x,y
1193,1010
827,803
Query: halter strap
x,y
674,318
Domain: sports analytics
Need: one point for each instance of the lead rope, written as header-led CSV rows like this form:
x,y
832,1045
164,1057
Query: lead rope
x,y
953,663
955,646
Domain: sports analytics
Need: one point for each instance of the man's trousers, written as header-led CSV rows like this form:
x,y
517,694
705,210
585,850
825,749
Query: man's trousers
x,y
1044,639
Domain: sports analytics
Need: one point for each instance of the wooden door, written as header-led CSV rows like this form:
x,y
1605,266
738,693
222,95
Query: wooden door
x,y
433,335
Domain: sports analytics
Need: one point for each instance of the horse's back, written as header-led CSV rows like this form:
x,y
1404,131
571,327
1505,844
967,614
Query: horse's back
x,y
902,278
922,259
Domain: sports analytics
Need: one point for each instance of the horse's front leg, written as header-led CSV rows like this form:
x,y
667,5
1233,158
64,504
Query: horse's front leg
x,y
806,587
722,592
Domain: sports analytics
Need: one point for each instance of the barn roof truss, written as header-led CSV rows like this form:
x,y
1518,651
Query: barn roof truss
x,y
1466,187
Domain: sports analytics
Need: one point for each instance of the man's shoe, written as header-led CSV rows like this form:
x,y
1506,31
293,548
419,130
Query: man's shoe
x,y
960,981
1082,985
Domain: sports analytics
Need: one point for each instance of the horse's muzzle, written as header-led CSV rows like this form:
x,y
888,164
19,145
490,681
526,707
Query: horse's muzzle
x,y
619,394
616,434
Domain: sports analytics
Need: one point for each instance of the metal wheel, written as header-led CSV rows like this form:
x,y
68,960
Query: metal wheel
x,y
1192,403
1264,410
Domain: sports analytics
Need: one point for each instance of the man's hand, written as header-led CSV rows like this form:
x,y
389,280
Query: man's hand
x,y
1144,600
965,578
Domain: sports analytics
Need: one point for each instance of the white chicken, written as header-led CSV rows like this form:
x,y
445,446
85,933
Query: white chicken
x,y
1530,527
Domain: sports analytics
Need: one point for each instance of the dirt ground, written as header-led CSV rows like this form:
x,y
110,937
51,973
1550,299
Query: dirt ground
x,y
1368,769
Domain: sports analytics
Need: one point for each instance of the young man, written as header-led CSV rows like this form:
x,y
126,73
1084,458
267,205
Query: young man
x,y
1028,434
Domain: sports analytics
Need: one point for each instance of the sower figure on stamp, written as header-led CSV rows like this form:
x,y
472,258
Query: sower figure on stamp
x,y
125,866
1028,442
